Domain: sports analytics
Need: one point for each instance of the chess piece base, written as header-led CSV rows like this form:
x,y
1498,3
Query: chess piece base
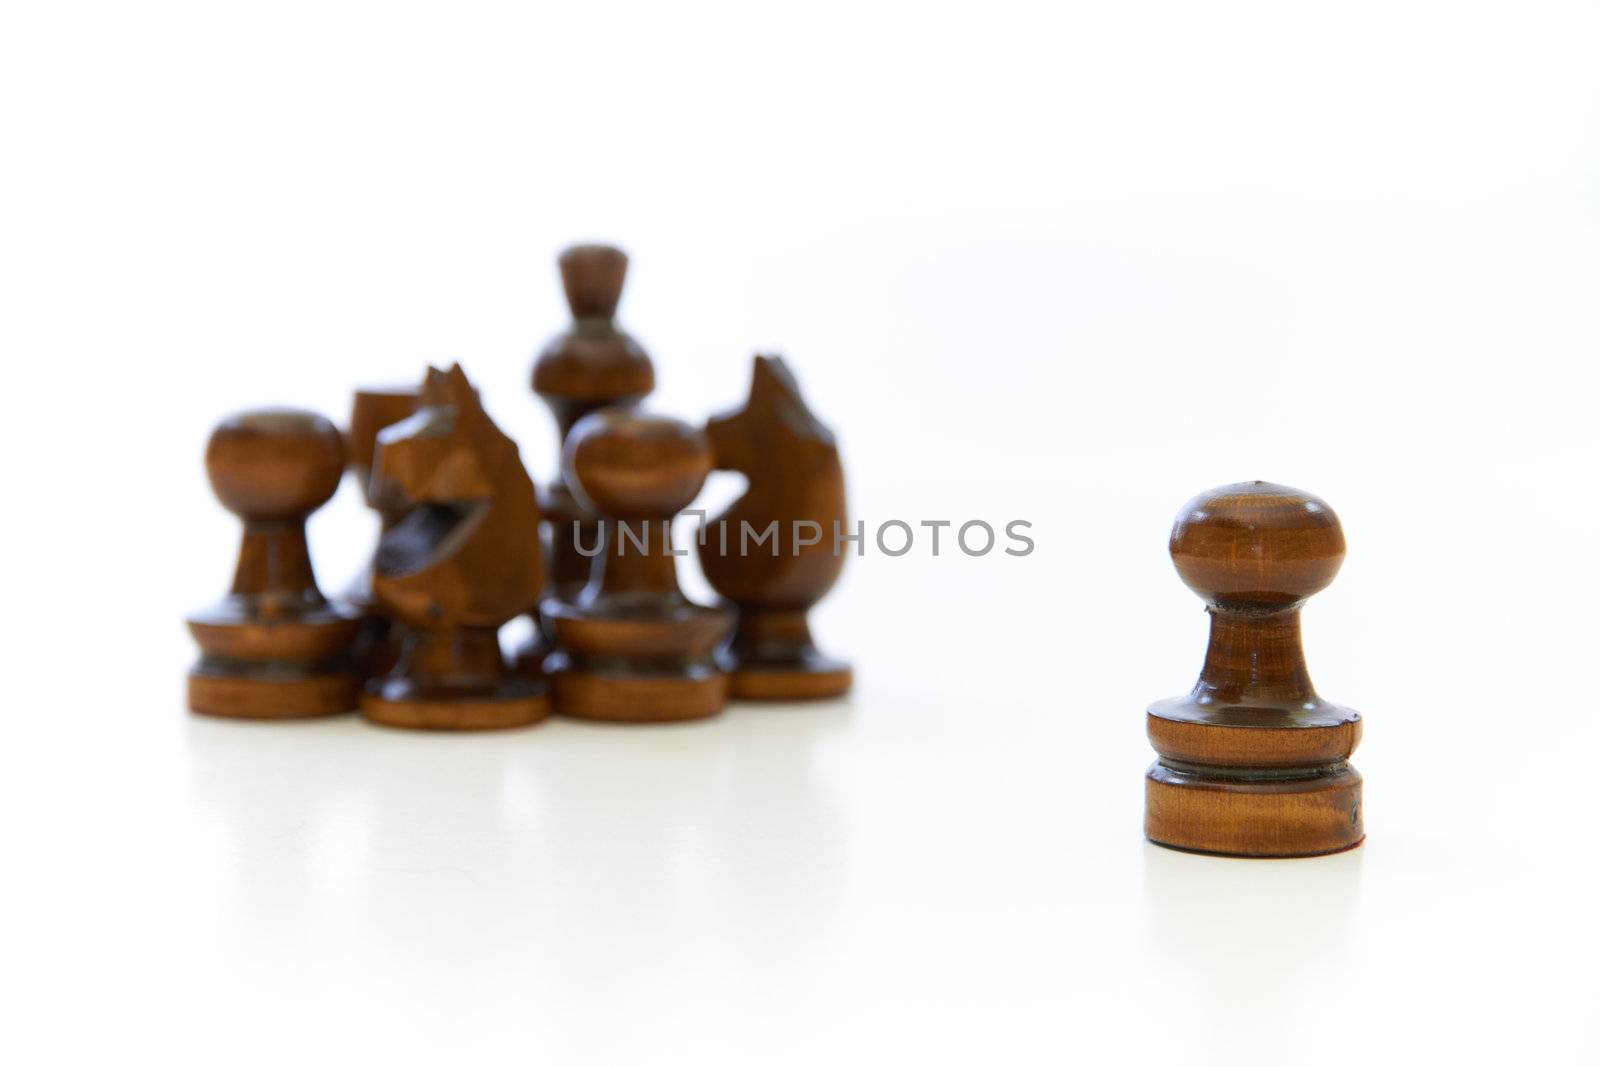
x,y
276,692
234,630
1240,814
811,678
771,657
696,691
456,713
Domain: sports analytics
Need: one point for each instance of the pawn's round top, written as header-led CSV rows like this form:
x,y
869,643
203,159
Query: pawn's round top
x,y
592,276
626,465
274,463
1256,547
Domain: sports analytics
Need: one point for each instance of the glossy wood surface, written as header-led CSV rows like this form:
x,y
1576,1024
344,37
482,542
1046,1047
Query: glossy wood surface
x,y
631,646
378,645
592,364
794,477
274,647
1253,760
461,560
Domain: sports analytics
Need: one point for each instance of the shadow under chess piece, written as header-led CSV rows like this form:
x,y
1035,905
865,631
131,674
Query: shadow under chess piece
x,y
274,648
796,487
1253,762
378,645
461,561
591,365
631,646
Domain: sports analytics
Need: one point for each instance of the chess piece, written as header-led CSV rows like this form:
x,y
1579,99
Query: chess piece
x,y
275,647
1253,761
630,646
796,487
591,365
462,560
377,646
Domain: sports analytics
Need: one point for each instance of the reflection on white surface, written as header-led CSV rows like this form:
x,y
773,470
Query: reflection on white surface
x,y
1255,950
578,867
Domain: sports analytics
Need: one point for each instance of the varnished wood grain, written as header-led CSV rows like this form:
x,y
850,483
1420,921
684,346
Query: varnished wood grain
x,y
792,465
274,647
592,364
461,560
630,646
378,645
1253,762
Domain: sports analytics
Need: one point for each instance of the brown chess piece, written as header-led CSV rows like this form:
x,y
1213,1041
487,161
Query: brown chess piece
x,y
796,488
631,646
373,410
275,647
591,365
461,561
1253,762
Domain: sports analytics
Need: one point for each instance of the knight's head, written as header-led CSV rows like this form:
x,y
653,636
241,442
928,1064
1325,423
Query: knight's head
x,y
438,455
774,416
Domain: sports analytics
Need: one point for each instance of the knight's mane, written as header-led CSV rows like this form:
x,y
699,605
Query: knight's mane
x,y
787,404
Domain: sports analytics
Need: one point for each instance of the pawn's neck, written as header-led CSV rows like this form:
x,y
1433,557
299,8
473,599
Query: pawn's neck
x,y
274,565
1255,659
636,557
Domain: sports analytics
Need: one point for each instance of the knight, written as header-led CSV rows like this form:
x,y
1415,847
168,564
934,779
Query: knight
x,y
460,561
795,491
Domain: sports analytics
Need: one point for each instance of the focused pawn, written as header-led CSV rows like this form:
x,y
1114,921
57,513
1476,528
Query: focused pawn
x,y
462,560
591,365
631,646
374,410
1253,762
274,647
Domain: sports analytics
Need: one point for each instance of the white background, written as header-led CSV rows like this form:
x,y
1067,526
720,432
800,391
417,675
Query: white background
x,y
1070,264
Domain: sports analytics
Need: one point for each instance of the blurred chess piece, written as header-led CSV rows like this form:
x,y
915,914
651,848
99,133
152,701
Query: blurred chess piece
x,y
462,560
796,489
593,364
631,646
373,410
274,647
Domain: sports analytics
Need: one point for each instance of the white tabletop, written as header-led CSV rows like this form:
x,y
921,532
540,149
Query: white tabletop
x,y
1063,263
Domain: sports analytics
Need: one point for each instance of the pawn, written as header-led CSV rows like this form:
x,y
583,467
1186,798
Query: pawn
x,y
593,364
631,646
1253,762
373,410
462,560
796,489
274,647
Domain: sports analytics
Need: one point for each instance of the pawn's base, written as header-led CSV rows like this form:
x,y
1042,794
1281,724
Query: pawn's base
x,y
808,678
1232,813
696,691
236,691
455,712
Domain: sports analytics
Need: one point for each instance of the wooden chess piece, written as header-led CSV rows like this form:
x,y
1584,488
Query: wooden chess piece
x,y
591,365
461,561
796,484
1253,762
630,646
377,646
275,647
